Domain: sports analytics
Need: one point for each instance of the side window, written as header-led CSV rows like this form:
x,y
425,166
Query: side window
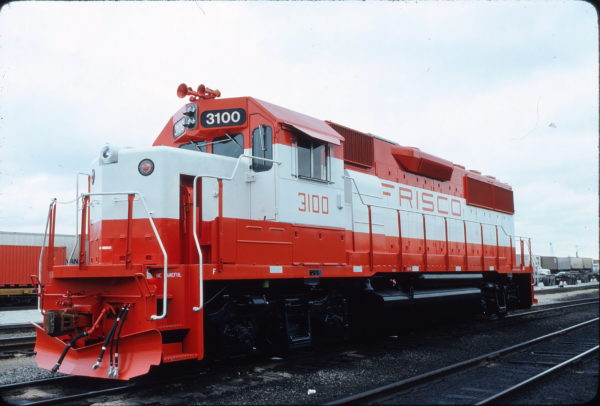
x,y
229,145
262,146
313,157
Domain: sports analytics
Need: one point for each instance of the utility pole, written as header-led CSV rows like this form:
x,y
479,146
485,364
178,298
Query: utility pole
x,y
576,251
551,249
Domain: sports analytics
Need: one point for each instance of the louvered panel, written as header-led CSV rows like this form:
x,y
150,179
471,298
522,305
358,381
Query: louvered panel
x,y
358,147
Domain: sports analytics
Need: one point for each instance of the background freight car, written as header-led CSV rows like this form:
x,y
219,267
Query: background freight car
x,y
563,264
19,259
576,263
550,263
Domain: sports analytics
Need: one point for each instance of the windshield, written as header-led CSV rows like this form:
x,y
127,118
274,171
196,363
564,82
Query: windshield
x,y
229,145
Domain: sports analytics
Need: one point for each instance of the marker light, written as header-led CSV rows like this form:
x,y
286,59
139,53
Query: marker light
x,y
146,167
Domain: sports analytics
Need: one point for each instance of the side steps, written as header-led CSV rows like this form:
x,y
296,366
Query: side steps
x,y
297,323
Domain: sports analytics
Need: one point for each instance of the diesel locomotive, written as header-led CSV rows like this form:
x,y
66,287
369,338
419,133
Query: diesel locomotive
x,y
248,226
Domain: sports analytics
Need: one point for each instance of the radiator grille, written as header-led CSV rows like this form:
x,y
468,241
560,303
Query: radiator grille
x,y
358,147
482,194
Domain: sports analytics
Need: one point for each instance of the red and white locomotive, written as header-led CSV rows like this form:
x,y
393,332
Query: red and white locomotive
x,y
247,225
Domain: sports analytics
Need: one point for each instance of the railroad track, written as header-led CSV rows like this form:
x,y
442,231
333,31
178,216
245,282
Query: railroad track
x,y
17,343
490,376
315,362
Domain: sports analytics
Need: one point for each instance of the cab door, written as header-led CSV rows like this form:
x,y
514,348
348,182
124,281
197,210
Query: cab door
x,y
262,177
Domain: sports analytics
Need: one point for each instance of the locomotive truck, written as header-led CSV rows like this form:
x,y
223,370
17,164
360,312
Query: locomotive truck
x,y
247,226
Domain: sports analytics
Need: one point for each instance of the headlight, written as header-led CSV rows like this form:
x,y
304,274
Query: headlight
x,y
146,167
109,155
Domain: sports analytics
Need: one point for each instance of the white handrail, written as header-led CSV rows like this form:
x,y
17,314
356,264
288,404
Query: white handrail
x,y
76,214
431,215
196,241
162,247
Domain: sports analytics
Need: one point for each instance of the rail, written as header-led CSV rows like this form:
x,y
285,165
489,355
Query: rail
x,y
195,203
51,210
77,211
509,236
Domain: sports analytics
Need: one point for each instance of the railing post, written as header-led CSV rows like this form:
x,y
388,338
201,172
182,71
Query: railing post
x,y
370,240
50,257
512,253
447,250
497,250
424,243
522,243
130,198
400,242
84,231
482,247
466,253
530,256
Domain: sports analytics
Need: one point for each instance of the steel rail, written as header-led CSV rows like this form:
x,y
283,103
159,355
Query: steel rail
x,y
550,309
362,396
17,326
78,396
16,343
43,381
538,376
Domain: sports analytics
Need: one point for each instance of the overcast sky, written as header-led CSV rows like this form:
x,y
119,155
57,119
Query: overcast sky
x,y
506,88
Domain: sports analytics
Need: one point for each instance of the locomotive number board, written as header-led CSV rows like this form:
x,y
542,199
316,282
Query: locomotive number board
x,y
222,118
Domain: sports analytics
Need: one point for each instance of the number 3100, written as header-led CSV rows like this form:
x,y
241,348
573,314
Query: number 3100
x,y
313,203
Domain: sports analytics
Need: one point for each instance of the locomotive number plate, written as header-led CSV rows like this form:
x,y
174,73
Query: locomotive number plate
x,y
222,118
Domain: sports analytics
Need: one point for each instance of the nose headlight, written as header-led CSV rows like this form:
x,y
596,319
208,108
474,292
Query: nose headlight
x,y
146,167
109,155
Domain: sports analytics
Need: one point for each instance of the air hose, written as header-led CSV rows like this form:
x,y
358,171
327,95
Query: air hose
x,y
67,348
108,338
114,372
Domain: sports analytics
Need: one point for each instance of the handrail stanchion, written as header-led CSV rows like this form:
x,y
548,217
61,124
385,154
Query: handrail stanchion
x,y
41,259
84,230
447,245
530,256
466,245
522,243
130,198
50,255
197,242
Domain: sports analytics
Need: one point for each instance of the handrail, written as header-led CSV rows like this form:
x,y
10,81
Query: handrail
x,y
194,226
39,287
160,243
435,215
77,212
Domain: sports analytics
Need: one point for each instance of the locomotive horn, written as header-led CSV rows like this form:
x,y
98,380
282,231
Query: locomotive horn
x,y
182,90
202,93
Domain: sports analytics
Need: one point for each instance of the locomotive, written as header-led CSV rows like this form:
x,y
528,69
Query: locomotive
x,y
248,226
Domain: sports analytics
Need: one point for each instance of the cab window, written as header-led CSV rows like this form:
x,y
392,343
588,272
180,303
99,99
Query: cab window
x,y
262,146
229,145
195,146
313,159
